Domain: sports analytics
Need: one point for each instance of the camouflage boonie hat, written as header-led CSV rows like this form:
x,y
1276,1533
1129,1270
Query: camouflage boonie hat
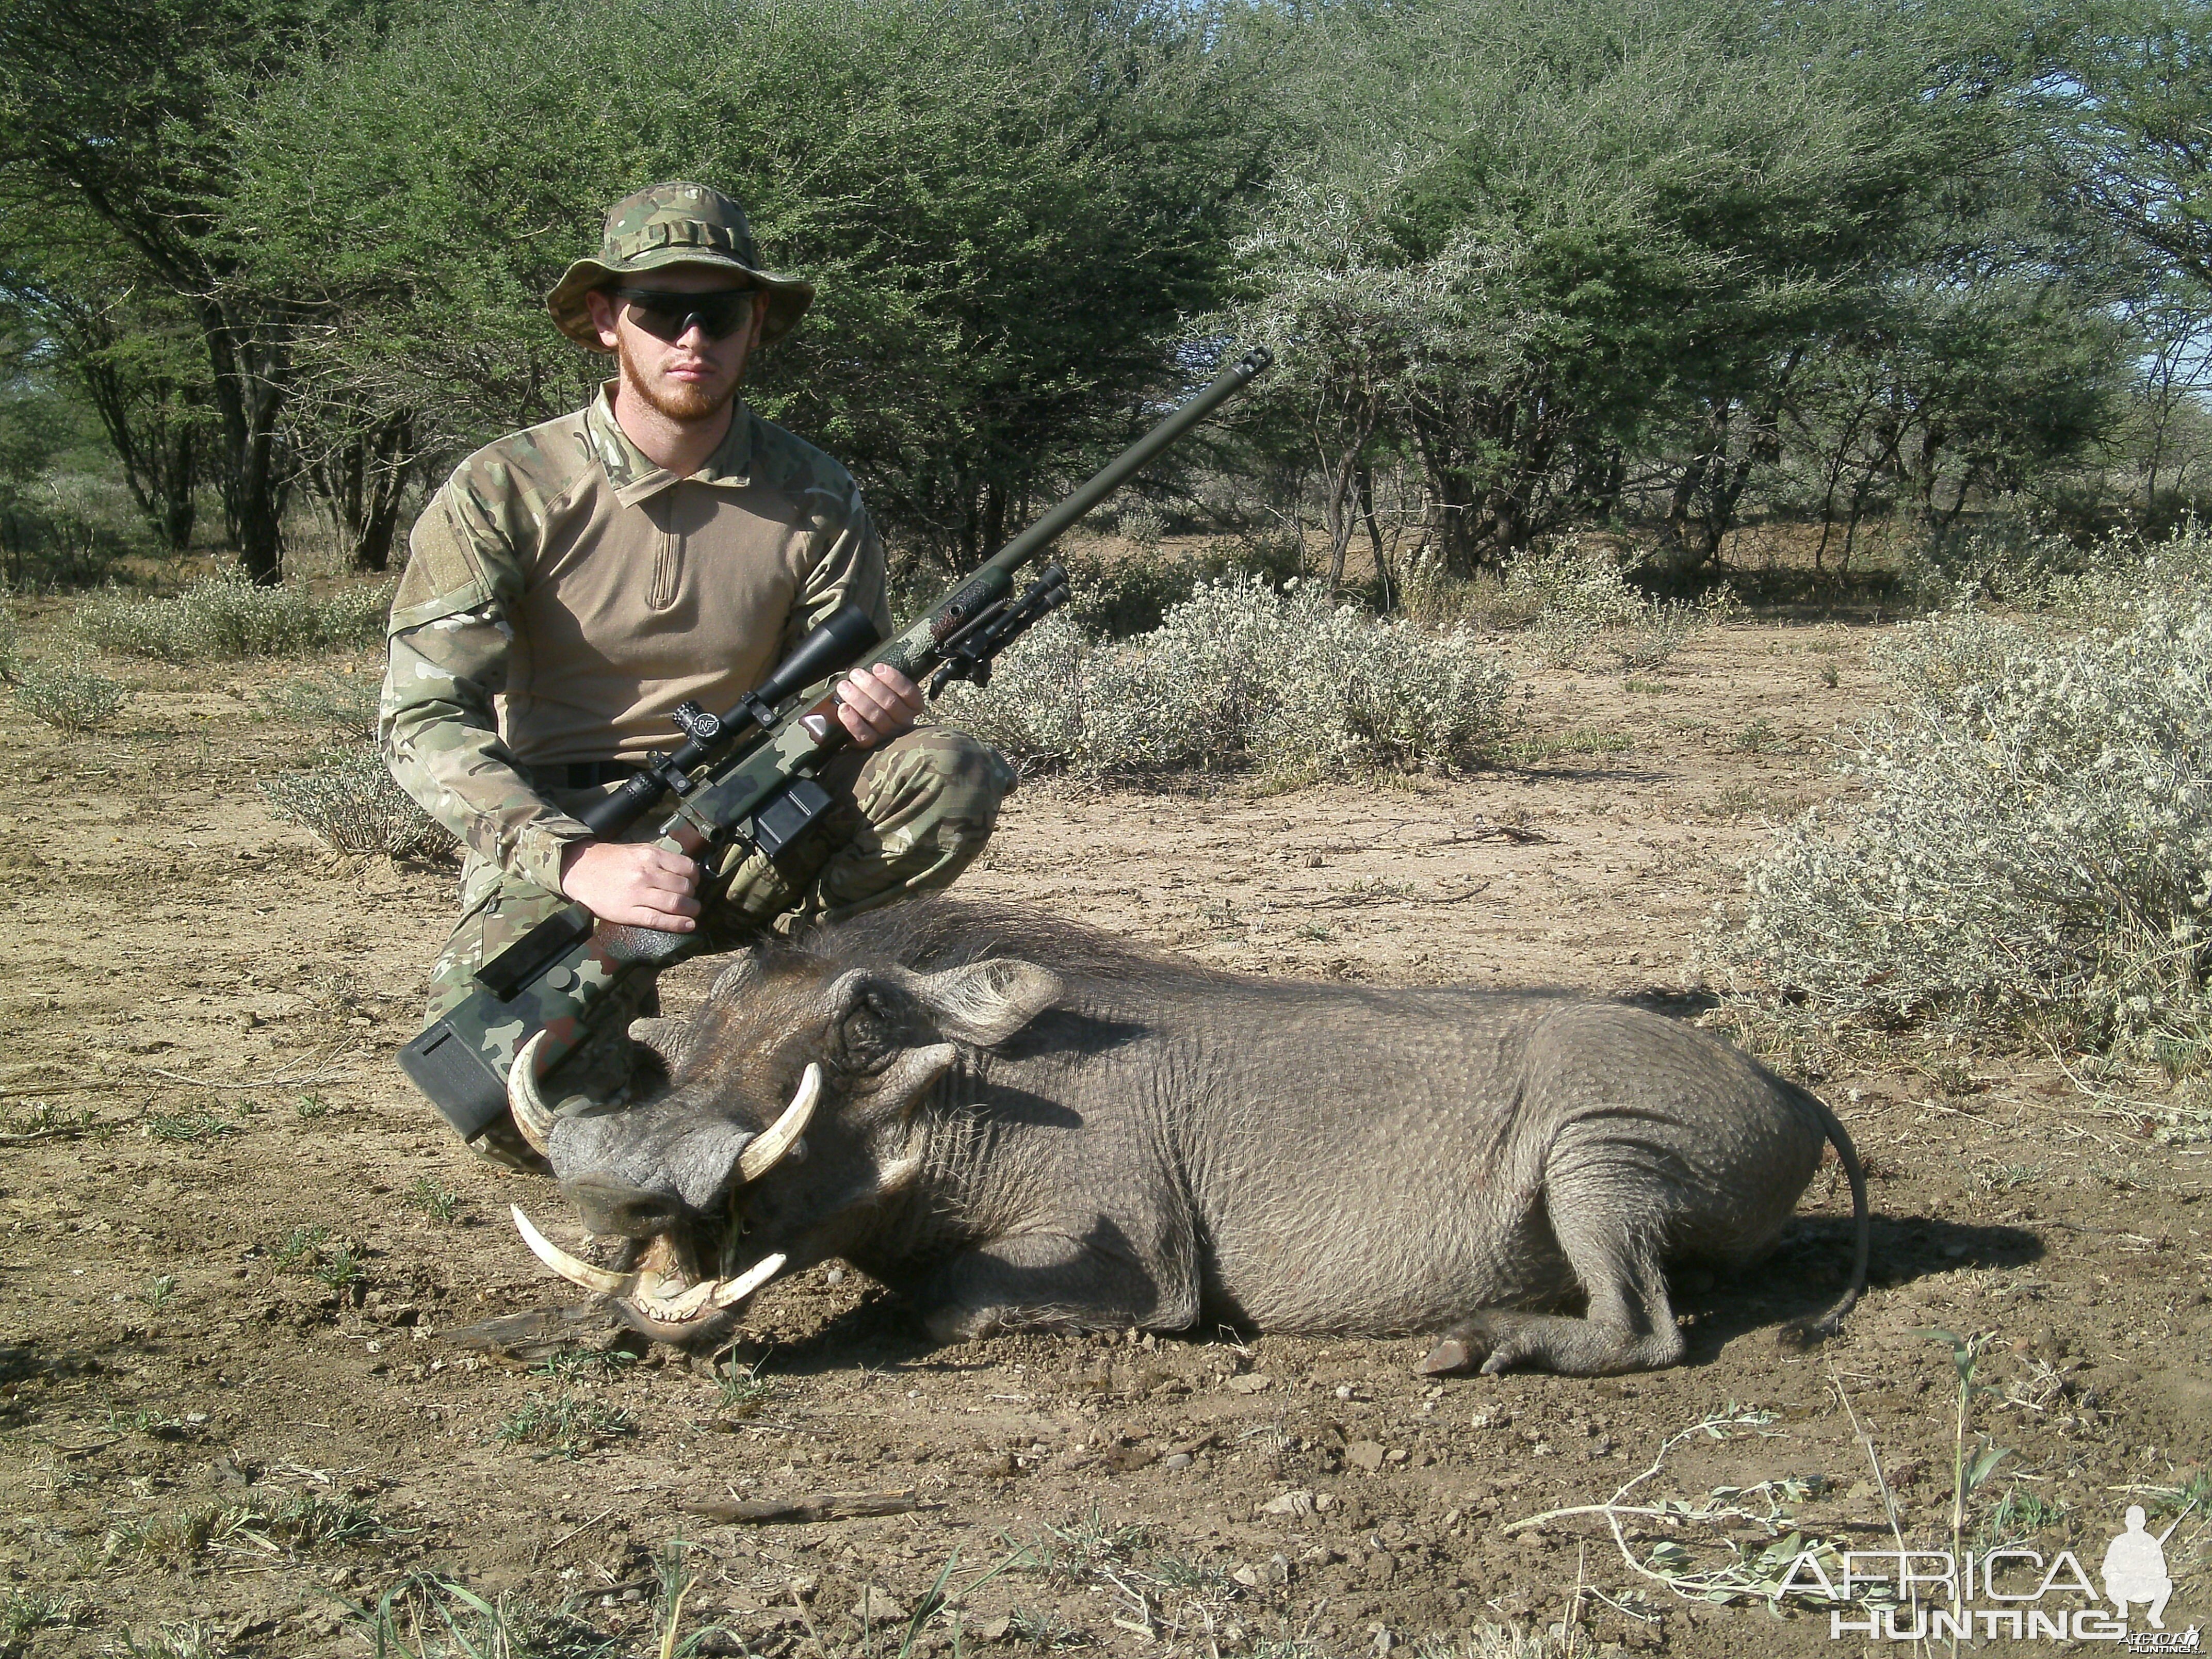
x,y
673,224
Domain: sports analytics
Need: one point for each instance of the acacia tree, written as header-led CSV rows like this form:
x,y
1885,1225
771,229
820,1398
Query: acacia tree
x,y
2169,415
2125,104
2122,112
1654,213
107,113
135,354
1353,324
1007,213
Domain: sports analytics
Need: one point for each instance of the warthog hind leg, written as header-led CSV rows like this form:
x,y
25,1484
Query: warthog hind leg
x,y
1629,1325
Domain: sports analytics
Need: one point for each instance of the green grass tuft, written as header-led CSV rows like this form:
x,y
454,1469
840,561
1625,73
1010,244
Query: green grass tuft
x,y
564,1424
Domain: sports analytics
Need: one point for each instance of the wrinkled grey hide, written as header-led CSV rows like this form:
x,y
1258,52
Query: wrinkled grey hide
x,y
1026,1124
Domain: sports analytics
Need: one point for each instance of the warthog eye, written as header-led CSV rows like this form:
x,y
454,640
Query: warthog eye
x,y
865,1039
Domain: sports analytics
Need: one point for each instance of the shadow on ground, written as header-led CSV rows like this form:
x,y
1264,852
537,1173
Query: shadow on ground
x,y
1808,1271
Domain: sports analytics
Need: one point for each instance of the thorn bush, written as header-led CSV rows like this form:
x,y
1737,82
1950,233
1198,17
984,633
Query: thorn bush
x,y
2030,840
2104,583
69,697
1576,601
344,703
349,802
1243,676
228,618
11,641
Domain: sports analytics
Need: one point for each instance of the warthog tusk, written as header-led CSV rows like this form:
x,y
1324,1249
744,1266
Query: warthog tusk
x,y
673,1309
765,1153
575,1272
531,1115
729,1292
669,1310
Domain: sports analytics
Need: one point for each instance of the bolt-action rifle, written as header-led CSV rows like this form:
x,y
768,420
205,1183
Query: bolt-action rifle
x,y
748,776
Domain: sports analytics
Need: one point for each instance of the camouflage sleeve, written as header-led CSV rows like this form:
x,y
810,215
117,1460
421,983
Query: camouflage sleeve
x,y
439,728
848,569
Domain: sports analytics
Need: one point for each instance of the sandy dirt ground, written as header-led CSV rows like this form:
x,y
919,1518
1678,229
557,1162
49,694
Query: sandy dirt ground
x,y
246,1393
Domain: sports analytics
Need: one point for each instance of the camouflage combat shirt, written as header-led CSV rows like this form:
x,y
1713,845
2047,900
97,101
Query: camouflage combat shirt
x,y
564,594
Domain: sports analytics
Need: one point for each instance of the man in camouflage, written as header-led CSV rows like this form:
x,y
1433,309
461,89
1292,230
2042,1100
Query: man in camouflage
x,y
572,584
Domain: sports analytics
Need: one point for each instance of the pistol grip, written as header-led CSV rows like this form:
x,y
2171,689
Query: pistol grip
x,y
648,946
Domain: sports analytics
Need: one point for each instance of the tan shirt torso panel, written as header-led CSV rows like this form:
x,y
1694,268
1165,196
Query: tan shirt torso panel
x,y
627,611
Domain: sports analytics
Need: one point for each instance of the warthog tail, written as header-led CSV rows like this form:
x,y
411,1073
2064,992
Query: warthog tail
x,y
1805,1333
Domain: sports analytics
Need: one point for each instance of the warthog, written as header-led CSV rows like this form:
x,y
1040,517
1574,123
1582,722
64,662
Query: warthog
x,y
1020,1123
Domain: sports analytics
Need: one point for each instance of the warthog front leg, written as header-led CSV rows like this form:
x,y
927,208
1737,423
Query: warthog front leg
x,y
1055,1282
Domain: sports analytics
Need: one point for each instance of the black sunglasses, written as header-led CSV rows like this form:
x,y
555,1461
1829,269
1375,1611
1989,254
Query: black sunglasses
x,y
668,316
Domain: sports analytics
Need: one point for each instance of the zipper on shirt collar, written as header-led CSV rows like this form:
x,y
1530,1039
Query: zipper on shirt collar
x,y
634,478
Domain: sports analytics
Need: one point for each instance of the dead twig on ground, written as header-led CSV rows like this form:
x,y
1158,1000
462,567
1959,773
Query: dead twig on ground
x,y
1669,1564
1371,896
1880,1481
573,1531
805,1619
64,1130
1519,834
2134,1112
814,1506
284,1078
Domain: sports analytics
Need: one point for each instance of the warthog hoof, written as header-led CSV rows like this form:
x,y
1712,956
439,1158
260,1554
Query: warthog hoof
x,y
1462,1348
1447,1356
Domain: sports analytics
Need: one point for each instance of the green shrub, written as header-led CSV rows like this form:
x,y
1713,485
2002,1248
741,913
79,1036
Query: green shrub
x,y
1931,662
1143,522
2032,842
68,530
1570,585
1242,675
344,703
25,1612
303,1524
1650,640
1117,598
72,697
2104,583
2012,562
1113,597
423,1616
564,1422
228,618
349,802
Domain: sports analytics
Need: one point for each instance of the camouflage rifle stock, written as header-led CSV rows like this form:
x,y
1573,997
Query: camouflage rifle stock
x,y
748,776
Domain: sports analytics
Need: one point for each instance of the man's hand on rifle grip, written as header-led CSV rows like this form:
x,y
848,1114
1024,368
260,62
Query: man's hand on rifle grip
x,y
874,705
632,884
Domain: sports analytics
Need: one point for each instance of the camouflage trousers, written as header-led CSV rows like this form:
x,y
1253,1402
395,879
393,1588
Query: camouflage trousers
x,y
904,818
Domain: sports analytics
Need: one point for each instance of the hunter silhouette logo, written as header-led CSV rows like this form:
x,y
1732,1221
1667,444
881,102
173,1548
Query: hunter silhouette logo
x,y
2012,1591
2134,1569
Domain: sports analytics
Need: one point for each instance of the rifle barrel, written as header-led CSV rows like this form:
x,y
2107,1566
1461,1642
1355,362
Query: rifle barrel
x,y
1125,465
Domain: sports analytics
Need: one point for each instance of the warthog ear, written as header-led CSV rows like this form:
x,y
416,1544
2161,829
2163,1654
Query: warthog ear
x,y
671,1039
987,1002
